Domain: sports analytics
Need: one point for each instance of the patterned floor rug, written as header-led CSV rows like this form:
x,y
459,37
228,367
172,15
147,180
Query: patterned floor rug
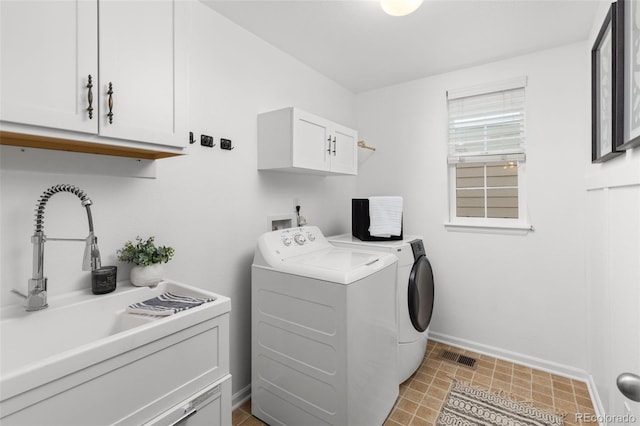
x,y
469,406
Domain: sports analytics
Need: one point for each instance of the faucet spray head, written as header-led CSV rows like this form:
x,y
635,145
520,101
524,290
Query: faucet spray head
x,y
91,259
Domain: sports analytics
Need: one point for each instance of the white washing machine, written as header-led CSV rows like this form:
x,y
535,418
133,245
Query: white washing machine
x,y
415,295
324,332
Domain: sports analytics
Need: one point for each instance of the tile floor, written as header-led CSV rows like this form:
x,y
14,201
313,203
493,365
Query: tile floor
x,y
424,393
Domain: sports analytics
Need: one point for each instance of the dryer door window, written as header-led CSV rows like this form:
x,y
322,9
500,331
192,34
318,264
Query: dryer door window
x,y
421,294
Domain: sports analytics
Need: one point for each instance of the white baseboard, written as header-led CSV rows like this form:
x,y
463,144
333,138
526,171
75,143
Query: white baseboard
x,y
522,359
240,397
595,399
529,361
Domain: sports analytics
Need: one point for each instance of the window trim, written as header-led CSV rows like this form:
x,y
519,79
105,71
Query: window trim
x,y
489,229
485,224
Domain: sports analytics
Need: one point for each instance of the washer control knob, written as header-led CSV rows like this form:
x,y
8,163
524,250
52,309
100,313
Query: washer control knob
x,y
311,237
300,239
287,241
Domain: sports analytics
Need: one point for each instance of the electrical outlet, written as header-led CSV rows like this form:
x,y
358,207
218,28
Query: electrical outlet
x,y
226,144
206,140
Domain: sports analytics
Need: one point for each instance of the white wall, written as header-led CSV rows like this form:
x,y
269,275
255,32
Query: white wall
x,y
517,294
613,265
210,205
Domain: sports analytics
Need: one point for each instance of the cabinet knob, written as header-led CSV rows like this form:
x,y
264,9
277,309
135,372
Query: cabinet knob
x,y
110,93
90,98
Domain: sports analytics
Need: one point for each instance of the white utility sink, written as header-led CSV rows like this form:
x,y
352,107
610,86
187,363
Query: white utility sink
x,y
81,337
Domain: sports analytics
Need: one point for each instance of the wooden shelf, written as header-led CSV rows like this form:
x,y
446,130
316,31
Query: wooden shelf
x,y
57,144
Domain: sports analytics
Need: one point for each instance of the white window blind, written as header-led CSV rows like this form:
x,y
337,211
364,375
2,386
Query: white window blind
x,y
487,124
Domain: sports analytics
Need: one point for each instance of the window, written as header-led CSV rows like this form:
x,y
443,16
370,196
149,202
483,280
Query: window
x,y
487,154
487,190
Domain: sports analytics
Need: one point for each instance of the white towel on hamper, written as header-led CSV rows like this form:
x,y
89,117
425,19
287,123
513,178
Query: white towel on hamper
x,y
385,215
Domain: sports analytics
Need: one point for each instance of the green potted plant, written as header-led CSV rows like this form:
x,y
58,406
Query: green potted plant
x,y
147,258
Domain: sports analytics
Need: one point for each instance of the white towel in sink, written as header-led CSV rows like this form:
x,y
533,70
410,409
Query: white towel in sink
x,y
167,304
385,215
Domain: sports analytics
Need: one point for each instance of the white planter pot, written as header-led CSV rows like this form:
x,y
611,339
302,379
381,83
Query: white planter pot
x,y
142,276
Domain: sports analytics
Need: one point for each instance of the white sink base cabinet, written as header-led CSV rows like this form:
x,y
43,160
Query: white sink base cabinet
x,y
141,380
209,407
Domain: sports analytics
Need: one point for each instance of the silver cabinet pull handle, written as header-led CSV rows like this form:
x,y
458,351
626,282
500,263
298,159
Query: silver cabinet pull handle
x,y
90,98
329,149
629,386
184,417
334,146
110,93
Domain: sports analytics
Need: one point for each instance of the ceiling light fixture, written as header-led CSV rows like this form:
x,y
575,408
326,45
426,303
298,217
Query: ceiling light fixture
x,y
400,7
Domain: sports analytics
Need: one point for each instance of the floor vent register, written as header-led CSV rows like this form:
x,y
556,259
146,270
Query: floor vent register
x,y
459,359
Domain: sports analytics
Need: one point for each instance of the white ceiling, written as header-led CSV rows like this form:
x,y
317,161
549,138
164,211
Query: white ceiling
x,y
356,44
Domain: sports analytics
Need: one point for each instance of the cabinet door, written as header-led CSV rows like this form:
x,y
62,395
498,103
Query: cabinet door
x,y
48,50
311,141
142,57
344,150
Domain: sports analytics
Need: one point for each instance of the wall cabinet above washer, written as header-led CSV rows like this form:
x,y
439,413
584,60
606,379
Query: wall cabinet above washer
x,y
113,70
293,140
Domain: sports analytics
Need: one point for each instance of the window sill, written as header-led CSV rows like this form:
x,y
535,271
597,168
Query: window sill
x,y
489,229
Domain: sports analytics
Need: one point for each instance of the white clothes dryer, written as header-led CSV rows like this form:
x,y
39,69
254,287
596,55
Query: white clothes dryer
x,y
324,332
415,295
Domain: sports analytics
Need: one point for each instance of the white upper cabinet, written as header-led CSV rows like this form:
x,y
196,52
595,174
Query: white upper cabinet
x,y
293,140
141,59
48,51
311,141
344,149
133,50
